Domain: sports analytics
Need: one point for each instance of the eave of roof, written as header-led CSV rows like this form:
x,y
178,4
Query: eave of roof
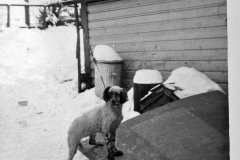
x,y
87,1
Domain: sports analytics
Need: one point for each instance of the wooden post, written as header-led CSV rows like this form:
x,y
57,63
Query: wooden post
x,y
84,20
8,16
78,54
27,16
45,16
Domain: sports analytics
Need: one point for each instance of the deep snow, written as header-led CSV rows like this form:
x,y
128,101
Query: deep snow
x,y
188,82
40,67
184,81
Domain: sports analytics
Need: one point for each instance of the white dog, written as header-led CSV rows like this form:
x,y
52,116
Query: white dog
x,y
104,119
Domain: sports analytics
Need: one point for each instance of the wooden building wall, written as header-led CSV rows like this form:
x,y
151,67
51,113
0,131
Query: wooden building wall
x,y
163,35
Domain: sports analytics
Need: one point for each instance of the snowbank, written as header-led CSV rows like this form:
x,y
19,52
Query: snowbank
x,y
32,53
188,82
147,76
128,107
40,68
105,53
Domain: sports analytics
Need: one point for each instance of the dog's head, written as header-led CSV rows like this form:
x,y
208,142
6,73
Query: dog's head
x,y
115,95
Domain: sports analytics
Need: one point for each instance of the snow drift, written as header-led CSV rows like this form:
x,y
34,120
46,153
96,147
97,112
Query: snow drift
x,y
40,68
188,82
38,93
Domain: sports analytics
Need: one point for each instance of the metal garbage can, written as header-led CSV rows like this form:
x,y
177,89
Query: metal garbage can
x,y
109,65
111,75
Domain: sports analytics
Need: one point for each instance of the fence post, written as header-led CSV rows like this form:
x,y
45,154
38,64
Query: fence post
x,y
27,15
44,19
88,70
8,16
78,50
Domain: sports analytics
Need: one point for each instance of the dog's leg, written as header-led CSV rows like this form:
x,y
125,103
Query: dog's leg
x,y
117,152
73,144
72,151
92,140
110,143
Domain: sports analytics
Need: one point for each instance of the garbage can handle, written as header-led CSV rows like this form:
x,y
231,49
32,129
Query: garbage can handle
x,y
113,74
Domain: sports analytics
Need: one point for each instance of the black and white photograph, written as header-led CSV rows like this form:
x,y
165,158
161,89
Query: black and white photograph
x,y
119,79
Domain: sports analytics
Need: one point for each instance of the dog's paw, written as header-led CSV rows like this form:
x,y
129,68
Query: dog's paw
x,y
110,157
118,153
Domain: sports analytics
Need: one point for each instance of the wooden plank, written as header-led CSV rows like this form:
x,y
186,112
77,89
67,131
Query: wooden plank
x,y
217,54
152,8
128,84
211,21
100,7
78,48
87,62
198,44
216,76
86,1
220,77
166,16
8,16
211,66
213,32
123,4
27,4
27,16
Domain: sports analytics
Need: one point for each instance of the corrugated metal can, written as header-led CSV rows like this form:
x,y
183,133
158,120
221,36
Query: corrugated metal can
x,y
111,74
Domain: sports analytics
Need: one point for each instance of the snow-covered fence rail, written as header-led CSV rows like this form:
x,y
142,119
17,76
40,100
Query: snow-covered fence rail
x,y
24,13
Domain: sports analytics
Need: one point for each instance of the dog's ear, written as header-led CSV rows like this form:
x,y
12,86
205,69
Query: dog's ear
x,y
105,94
123,96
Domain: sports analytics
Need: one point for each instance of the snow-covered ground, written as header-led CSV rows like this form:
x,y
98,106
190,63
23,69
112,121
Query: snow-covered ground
x,y
39,66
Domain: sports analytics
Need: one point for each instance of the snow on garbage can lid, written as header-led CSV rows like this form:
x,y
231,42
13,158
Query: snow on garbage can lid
x,y
147,76
104,53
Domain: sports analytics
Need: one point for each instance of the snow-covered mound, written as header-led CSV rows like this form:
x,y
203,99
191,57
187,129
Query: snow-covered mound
x,y
147,76
105,53
128,107
39,67
32,53
188,82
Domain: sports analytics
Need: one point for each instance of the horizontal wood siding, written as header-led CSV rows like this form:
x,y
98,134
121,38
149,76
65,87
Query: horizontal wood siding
x,y
163,35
